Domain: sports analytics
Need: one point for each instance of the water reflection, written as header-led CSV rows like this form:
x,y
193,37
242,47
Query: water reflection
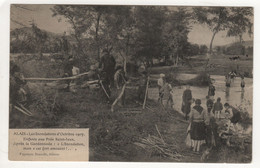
x,y
242,95
227,93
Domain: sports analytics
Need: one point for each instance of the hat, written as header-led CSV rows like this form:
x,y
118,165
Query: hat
x,y
162,75
197,101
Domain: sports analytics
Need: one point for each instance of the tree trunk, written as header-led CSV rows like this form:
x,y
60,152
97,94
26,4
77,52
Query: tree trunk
x,y
97,40
211,42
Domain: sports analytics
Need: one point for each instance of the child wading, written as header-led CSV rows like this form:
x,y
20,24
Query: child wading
x,y
242,83
212,89
166,93
217,108
160,84
209,103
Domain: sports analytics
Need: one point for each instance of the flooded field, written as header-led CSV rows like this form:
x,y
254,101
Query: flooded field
x,y
234,95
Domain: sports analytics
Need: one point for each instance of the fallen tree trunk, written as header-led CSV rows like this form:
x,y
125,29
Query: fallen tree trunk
x,y
56,79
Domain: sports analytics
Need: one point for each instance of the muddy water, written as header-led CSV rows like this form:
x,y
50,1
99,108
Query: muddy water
x,y
233,95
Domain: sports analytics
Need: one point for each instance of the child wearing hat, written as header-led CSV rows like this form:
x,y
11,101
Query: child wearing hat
x,y
160,83
166,94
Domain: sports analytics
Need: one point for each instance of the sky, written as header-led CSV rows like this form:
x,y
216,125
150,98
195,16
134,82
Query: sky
x,y
42,17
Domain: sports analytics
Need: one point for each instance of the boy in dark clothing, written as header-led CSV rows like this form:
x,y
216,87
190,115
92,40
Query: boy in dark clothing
x,y
242,82
212,89
217,108
209,103
186,101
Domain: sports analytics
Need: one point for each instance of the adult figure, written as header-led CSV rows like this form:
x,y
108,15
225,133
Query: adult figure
x,y
108,63
186,101
197,121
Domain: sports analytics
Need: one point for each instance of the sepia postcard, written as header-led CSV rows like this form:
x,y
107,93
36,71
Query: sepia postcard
x,y
127,83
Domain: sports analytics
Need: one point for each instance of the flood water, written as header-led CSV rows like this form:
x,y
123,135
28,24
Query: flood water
x,y
234,95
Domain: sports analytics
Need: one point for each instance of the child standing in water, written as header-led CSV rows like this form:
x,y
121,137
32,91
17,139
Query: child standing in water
x,y
217,108
242,82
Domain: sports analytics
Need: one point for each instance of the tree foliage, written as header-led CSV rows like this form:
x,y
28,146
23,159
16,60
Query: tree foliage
x,y
136,33
235,20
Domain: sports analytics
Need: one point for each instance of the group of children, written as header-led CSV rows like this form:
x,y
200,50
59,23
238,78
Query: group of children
x,y
231,76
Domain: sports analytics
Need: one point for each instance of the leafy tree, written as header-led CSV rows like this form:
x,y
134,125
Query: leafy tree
x,y
175,34
236,49
194,49
81,19
148,37
235,20
240,19
216,18
203,49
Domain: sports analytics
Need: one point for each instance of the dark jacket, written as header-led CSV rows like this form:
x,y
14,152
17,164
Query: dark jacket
x,y
187,96
108,63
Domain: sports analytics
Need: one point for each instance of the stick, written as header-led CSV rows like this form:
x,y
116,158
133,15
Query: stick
x,y
118,98
24,112
159,133
25,109
100,81
104,89
146,90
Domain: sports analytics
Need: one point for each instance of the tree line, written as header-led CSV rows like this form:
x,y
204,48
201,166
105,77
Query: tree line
x,y
140,32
